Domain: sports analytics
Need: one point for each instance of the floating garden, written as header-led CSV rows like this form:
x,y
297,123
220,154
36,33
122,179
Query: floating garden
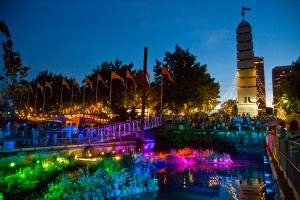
x,y
106,178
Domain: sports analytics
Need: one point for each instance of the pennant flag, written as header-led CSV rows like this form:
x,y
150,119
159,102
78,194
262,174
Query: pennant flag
x,y
148,77
30,89
99,78
244,8
128,75
49,86
76,84
64,82
38,85
89,82
165,71
116,76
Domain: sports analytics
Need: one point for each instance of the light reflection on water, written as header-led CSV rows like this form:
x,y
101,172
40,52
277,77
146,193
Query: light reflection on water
x,y
207,181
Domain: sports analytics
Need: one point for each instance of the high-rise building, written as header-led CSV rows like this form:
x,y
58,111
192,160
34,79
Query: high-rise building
x,y
260,83
246,71
278,73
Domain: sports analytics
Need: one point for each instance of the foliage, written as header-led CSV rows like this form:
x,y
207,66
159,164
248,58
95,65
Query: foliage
x,y
188,154
194,86
281,114
288,90
14,71
28,178
111,179
87,186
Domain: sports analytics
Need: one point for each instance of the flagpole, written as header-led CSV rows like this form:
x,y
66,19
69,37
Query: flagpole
x,y
27,102
44,98
72,94
97,91
110,92
62,87
161,92
126,91
83,97
35,98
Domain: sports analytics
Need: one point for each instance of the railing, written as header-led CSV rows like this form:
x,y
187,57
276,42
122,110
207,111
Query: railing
x,y
287,155
118,132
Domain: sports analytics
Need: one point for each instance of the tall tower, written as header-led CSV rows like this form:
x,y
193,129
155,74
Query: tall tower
x,y
246,72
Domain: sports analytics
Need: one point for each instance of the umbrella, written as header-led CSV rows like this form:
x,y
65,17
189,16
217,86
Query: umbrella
x,y
273,122
62,118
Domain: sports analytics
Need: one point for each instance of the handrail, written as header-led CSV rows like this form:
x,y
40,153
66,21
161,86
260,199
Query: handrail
x,y
123,131
287,155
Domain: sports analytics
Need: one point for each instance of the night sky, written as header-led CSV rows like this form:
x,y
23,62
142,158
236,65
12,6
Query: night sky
x,y
73,37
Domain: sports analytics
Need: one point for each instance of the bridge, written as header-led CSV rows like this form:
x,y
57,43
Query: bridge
x,y
117,132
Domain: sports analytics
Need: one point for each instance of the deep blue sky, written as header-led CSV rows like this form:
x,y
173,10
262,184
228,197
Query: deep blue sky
x,y
72,37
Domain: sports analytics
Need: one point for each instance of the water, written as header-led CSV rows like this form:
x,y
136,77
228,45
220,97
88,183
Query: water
x,y
208,181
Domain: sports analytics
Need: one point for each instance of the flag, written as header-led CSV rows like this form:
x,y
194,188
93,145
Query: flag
x,y
99,78
165,71
38,85
116,76
244,8
76,84
148,77
64,82
128,75
30,89
89,82
49,86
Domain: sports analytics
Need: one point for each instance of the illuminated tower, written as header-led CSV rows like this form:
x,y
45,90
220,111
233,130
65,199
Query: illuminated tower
x,y
246,71
260,83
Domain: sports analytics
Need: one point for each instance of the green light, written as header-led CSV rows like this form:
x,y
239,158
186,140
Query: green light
x,y
12,164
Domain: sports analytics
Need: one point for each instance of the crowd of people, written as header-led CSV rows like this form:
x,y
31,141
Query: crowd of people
x,y
45,133
222,121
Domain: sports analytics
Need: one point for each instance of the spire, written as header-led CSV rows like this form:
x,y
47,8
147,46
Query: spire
x,y
243,9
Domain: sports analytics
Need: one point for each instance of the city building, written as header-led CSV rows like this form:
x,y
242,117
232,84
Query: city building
x,y
260,83
278,73
246,71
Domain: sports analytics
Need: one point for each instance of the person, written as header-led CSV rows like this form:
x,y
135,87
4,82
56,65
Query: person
x,y
68,130
21,135
80,133
74,133
7,130
35,134
281,130
293,132
294,146
48,130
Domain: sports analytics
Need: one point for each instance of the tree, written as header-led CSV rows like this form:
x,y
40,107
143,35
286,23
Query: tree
x,y
289,91
13,69
194,86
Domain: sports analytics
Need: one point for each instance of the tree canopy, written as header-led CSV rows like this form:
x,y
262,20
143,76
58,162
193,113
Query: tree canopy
x,y
13,69
194,86
289,91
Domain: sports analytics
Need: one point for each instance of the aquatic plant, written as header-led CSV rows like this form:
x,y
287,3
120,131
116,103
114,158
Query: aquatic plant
x,y
188,155
112,179
88,186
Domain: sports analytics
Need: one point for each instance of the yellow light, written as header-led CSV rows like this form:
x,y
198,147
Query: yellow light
x,y
12,164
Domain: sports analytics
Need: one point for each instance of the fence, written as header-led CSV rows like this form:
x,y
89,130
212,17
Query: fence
x,y
287,155
120,132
